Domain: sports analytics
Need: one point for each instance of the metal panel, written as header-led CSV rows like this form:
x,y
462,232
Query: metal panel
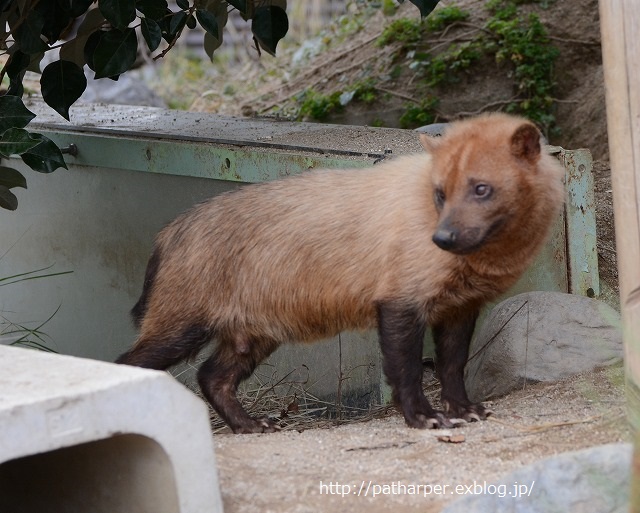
x,y
201,159
581,223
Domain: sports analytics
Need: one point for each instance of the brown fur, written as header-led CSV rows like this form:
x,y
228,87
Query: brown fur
x,y
306,257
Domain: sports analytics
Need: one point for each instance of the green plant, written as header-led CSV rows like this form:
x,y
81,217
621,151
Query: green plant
x,y
525,44
520,43
365,91
389,7
445,67
403,30
25,336
32,338
317,106
420,114
444,17
35,150
410,31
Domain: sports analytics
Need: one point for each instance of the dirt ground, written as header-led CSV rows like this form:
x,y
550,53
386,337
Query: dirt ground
x,y
331,468
327,467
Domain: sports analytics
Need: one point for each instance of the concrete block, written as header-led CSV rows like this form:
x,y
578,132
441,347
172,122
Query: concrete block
x,y
80,435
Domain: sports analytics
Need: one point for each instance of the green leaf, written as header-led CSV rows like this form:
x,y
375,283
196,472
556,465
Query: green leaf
x,y
183,4
115,53
241,5
73,50
177,22
16,141
153,9
15,69
62,83
28,32
211,44
118,12
269,25
151,32
34,64
45,157
191,22
56,19
11,178
8,200
79,7
425,6
13,113
208,22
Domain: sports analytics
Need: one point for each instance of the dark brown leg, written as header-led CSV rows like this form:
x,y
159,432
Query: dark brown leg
x,y
452,338
220,375
401,339
160,351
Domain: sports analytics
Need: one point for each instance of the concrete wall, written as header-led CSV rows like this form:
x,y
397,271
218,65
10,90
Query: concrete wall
x,y
100,224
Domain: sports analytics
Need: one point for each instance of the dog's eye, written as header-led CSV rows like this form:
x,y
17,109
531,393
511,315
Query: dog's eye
x,y
439,197
483,190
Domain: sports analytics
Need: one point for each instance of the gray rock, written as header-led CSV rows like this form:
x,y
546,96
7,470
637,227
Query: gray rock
x,y
541,336
594,480
433,130
127,90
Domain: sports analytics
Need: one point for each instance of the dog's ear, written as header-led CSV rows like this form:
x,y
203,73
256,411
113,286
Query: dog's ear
x,y
525,143
430,143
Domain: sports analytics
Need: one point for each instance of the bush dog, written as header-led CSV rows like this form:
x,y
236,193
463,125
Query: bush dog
x,y
414,242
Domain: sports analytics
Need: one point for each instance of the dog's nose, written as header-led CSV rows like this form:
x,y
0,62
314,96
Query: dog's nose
x,y
444,238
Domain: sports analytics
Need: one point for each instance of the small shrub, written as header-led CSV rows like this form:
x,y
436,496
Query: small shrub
x,y
318,106
442,18
420,114
404,30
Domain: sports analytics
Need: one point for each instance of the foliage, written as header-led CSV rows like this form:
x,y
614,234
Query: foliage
x,y
421,114
446,67
25,336
444,17
36,150
507,38
525,44
317,106
104,38
403,30
411,31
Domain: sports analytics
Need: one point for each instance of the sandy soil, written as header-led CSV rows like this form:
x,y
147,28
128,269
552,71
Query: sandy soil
x,y
330,469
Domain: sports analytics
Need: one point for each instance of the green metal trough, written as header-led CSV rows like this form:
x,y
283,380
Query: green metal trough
x,y
135,168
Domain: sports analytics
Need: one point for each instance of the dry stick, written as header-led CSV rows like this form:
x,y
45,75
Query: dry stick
x,y
489,105
497,332
176,37
564,101
478,27
590,42
526,350
340,378
395,93
461,37
271,388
